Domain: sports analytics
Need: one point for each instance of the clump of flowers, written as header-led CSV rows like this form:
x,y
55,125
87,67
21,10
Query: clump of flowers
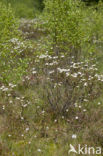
x,y
68,82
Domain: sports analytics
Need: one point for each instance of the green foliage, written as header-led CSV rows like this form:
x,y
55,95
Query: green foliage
x,y
7,23
92,28
73,27
63,22
38,4
10,46
25,8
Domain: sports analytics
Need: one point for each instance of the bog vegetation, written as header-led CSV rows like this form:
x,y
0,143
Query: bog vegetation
x,y
51,76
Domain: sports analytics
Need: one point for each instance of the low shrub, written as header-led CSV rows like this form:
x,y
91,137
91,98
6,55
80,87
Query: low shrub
x,y
66,84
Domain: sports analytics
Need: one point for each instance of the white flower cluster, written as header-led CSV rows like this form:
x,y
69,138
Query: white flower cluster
x,y
9,88
18,45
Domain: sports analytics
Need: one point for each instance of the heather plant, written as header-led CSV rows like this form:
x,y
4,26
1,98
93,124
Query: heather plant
x,y
67,83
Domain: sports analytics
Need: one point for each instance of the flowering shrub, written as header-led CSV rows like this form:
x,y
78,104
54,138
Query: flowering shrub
x,y
67,83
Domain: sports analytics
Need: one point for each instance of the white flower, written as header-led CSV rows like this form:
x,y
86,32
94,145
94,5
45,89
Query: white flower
x,y
3,107
39,150
83,79
46,64
43,56
5,89
62,117
2,87
27,129
53,63
74,66
85,100
79,73
43,112
99,103
10,84
67,74
67,110
18,98
34,72
85,84
33,68
14,40
84,110
74,136
63,70
52,71
55,120
22,118
47,128
75,104
27,77
24,105
35,136
76,117
74,75
55,57
10,101
9,94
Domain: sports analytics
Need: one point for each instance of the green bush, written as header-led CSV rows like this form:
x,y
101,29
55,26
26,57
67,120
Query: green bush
x,y
63,22
92,29
11,47
73,27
